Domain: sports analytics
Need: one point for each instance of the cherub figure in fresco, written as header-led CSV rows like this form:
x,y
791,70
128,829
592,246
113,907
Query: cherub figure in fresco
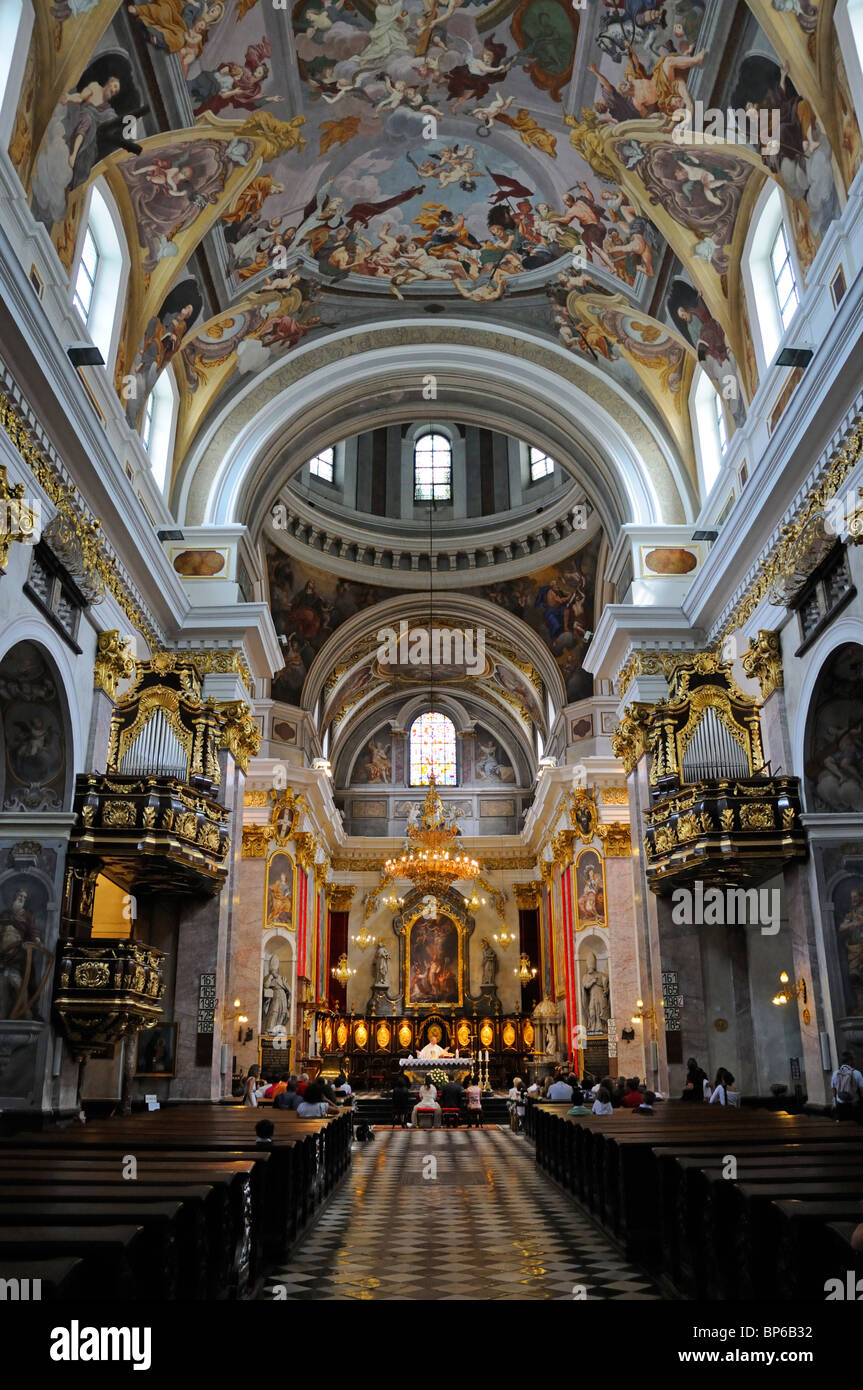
x,y
400,93
455,164
487,115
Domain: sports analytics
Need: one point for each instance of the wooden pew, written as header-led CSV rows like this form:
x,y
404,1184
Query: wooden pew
x,y
232,1208
646,1177
267,1205
109,1256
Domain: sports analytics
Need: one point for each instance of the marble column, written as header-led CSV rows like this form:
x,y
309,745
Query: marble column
x,y
204,940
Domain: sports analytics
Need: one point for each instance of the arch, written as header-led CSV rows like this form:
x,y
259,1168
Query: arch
x,y
360,378
829,734
37,743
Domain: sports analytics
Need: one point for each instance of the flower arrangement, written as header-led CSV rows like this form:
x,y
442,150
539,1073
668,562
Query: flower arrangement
x,y
438,1077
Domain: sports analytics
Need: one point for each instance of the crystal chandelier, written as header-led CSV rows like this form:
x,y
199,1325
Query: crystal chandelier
x,y
363,937
525,971
342,972
429,861
504,937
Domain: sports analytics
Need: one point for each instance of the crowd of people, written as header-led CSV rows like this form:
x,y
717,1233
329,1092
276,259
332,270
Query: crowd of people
x,y
312,1100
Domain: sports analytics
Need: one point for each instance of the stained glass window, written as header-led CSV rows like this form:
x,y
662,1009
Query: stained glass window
x,y
433,750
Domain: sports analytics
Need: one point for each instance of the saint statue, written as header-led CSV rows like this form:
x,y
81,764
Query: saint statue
x,y
381,966
594,988
489,963
277,999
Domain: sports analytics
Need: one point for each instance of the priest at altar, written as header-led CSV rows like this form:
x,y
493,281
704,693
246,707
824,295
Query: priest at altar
x,y
432,1052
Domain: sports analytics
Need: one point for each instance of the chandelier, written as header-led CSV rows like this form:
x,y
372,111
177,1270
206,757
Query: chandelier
x,y
363,937
429,861
504,937
525,971
342,972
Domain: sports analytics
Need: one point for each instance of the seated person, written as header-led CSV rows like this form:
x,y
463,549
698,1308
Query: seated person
x,y
632,1095
560,1089
401,1101
314,1104
427,1101
290,1098
724,1093
474,1102
646,1106
602,1105
578,1105
452,1096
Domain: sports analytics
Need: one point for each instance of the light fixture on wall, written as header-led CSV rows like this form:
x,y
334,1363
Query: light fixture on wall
x,y
524,970
789,992
342,972
504,937
363,938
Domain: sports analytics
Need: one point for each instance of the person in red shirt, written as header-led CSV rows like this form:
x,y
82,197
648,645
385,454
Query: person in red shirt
x,y
302,1084
632,1095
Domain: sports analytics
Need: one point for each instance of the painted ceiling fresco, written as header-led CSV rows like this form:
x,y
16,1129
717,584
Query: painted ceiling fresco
x,y
557,602
275,165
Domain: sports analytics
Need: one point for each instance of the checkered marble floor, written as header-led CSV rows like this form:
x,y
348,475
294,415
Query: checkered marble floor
x,y
452,1215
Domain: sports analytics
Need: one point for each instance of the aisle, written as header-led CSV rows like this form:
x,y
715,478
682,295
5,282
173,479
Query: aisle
x,y
460,1214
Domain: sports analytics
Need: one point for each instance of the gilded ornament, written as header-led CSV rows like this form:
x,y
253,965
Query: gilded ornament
x,y
18,521
114,662
763,662
618,840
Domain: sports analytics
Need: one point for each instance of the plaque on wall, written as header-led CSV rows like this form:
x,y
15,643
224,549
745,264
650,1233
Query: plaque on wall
x,y
206,1013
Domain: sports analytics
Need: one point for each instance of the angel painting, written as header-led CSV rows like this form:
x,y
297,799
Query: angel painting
x,y
233,85
473,79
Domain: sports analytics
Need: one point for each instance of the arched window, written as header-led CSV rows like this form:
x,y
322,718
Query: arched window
x,y
99,279
711,430
432,750
771,276
432,468
157,426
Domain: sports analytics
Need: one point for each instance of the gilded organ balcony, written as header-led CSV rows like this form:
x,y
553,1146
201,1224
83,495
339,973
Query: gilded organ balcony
x,y
717,813
154,833
724,831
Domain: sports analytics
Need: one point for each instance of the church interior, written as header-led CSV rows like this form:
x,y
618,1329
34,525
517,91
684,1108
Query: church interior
x,y
431,657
